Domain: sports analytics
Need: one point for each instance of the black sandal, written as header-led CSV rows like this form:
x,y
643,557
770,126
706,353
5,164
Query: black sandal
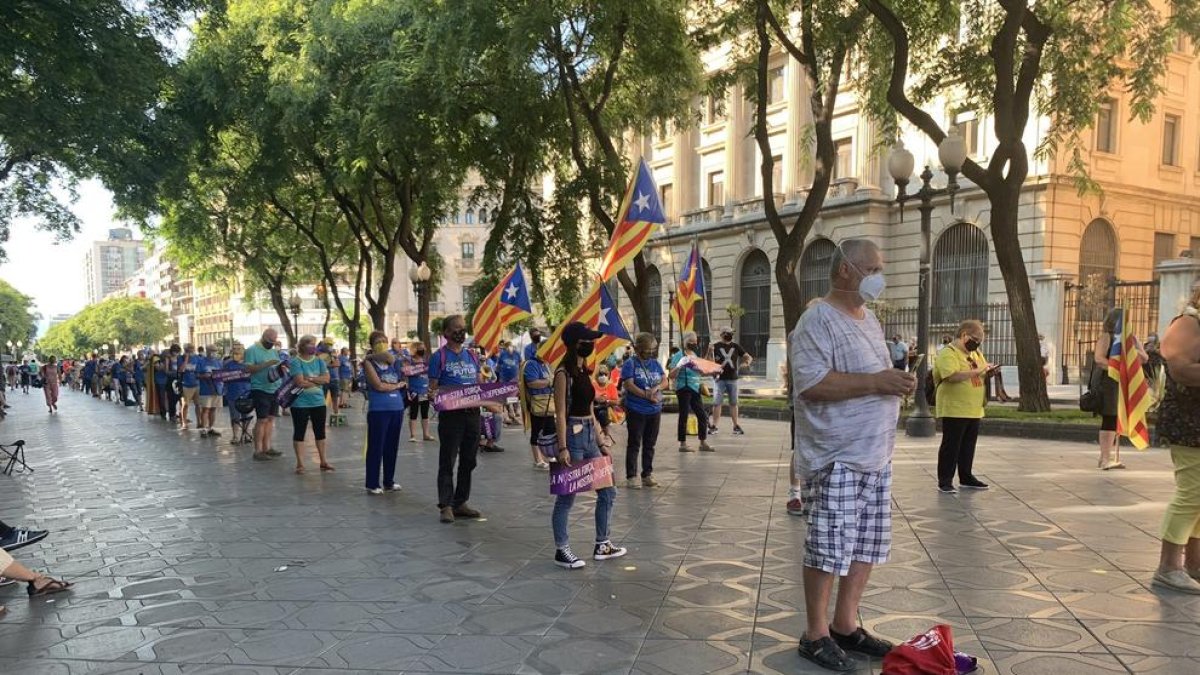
x,y
51,587
827,654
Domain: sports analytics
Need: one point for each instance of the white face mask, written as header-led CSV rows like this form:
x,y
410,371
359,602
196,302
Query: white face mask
x,y
872,285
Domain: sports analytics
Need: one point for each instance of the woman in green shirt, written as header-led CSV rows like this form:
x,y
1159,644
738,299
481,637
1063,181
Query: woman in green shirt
x,y
958,375
311,373
687,390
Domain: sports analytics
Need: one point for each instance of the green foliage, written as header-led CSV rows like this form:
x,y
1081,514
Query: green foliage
x,y
124,322
18,321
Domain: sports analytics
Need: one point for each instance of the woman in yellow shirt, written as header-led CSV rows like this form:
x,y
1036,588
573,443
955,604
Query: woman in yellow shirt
x,y
958,374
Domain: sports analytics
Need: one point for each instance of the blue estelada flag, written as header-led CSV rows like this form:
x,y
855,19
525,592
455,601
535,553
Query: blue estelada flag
x,y
641,210
508,302
596,311
688,292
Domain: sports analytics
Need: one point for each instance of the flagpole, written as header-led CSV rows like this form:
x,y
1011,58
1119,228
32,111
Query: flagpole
x,y
670,291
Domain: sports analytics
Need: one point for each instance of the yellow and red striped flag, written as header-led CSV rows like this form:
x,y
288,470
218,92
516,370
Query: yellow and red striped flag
x,y
1133,399
508,302
641,210
688,292
598,312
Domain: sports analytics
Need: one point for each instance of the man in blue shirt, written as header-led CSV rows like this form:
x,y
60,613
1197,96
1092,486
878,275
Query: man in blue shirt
x,y
535,342
451,367
190,384
508,367
345,377
210,391
262,362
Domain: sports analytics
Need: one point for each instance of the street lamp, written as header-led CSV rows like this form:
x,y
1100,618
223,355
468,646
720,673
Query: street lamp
x,y
952,152
419,276
295,304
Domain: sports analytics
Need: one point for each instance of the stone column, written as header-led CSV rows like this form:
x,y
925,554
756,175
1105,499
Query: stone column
x,y
734,141
794,146
1175,280
1049,301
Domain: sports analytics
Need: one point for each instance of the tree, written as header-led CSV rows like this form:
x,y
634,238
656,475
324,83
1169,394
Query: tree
x,y
124,322
79,80
1018,60
18,321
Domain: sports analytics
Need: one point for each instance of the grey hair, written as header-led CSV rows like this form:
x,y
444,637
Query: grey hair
x,y
851,251
305,339
644,340
689,336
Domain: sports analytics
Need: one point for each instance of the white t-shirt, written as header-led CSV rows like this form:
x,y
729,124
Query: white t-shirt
x,y
860,432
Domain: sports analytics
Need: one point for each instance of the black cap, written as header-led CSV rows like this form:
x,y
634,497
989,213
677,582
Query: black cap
x,y
576,331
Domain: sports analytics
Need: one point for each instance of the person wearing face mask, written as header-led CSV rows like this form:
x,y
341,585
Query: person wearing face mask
x,y
345,377
732,358
687,390
538,399
386,386
190,383
261,358
579,438
418,395
642,378
846,397
508,368
312,373
959,375
452,366
535,343
236,389
606,397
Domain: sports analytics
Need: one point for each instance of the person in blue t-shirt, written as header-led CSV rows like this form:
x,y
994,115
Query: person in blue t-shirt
x,y
418,394
539,403
190,384
385,415
236,389
452,367
642,378
139,379
508,368
210,391
535,342
345,377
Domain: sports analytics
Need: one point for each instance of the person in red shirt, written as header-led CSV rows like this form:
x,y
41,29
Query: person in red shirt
x,y
606,397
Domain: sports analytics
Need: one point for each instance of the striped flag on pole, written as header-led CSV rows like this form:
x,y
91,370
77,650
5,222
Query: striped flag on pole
x,y
641,210
508,302
598,312
688,292
1133,399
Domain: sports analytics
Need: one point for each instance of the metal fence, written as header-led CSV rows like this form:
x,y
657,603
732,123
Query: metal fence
x,y
1087,305
1000,346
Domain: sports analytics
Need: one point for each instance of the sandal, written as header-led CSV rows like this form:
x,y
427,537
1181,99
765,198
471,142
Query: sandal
x,y
327,467
299,470
827,654
52,586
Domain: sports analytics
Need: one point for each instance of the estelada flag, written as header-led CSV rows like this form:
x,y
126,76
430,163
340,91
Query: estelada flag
x,y
1133,398
508,302
598,312
641,210
688,292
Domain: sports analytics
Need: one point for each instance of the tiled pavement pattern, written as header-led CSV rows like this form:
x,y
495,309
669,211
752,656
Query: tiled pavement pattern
x,y
177,546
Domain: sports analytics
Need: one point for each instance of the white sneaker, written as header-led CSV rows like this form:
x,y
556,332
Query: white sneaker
x,y
394,487
375,491
543,466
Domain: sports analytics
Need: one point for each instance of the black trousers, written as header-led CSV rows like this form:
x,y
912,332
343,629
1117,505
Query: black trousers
x,y
301,418
458,440
958,449
643,436
691,402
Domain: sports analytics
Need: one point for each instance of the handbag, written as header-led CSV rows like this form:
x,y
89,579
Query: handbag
x,y
1091,400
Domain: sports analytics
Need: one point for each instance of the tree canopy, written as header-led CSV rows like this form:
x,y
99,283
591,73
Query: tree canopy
x,y
123,322
18,321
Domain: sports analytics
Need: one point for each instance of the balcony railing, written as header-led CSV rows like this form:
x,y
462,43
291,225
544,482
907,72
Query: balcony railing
x,y
708,214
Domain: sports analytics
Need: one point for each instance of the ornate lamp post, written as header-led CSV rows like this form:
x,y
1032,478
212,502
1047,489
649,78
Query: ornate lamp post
x,y
952,152
295,304
419,276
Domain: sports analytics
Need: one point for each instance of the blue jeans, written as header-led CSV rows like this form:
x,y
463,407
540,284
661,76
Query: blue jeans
x,y
582,446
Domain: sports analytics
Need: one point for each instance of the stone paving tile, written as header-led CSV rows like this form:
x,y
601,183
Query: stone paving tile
x,y
190,558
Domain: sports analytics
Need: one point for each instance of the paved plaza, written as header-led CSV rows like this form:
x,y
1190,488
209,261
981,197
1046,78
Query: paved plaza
x,y
190,558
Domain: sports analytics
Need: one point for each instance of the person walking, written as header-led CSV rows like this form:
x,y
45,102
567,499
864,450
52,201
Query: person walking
x,y
418,394
309,371
642,379
539,407
732,358
453,366
1179,426
262,359
579,439
1110,445
50,384
688,393
847,399
959,376
385,414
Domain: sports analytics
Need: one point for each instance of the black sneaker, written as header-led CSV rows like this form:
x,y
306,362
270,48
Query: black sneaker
x,y
563,557
712,431
491,448
827,654
862,642
606,551
947,489
973,483
20,537
737,431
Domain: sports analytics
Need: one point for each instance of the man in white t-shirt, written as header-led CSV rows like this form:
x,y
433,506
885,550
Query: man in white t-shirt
x,y
847,400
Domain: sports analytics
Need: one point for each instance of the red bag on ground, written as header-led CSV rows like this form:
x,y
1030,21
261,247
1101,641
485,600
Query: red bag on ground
x,y
930,653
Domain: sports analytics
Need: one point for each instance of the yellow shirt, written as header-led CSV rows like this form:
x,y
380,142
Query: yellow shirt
x,y
958,399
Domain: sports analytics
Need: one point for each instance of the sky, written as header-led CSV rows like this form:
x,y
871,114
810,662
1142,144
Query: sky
x,y
51,272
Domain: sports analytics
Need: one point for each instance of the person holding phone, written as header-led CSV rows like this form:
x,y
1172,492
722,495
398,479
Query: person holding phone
x,y
959,375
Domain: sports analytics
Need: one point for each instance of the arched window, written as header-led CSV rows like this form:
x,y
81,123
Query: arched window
x,y
469,219
813,270
754,293
654,302
960,274
704,326
1098,252
483,215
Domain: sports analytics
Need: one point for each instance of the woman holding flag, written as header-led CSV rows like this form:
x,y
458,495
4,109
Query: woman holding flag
x,y
1101,381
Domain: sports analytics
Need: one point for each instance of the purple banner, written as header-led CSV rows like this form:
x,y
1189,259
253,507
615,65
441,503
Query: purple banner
x,y
472,396
229,375
287,393
415,369
586,476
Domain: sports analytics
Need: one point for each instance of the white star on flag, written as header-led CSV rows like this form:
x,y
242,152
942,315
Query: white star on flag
x,y
643,201
604,315
511,291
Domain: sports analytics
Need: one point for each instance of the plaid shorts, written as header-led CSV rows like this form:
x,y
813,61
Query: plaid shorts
x,y
849,518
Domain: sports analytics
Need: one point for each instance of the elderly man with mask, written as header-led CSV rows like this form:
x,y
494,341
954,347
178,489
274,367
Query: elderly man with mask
x,y
847,403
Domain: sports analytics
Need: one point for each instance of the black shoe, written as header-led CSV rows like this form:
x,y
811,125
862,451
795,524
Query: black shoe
x,y
606,551
491,448
21,537
827,654
947,490
862,642
737,431
712,431
973,483
563,557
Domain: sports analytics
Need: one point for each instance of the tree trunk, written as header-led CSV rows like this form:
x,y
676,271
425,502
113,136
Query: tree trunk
x,y
281,310
635,291
1020,300
352,334
789,286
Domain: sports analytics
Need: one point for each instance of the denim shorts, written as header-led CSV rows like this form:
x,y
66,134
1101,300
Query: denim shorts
x,y
582,444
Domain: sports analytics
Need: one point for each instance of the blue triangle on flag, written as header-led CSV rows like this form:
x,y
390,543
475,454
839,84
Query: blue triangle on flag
x,y
644,203
516,291
609,321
